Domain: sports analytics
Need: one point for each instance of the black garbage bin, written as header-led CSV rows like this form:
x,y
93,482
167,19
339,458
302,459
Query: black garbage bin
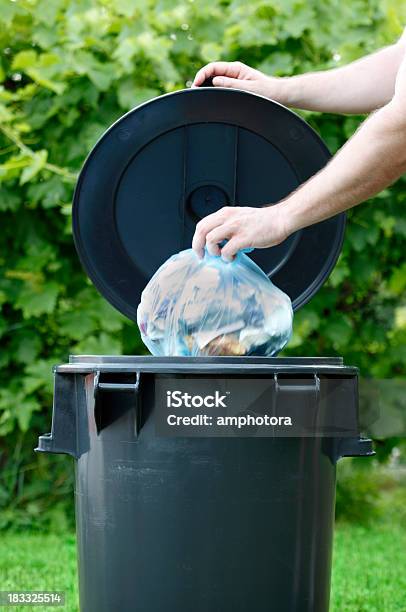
x,y
235,513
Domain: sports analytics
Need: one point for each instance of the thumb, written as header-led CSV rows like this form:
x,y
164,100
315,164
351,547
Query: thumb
x,y
222,81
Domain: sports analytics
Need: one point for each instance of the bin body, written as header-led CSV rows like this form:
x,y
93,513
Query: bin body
x,y
215,525
212,524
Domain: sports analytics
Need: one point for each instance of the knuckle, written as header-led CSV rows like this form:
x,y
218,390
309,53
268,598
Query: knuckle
x,y
213,236
200,225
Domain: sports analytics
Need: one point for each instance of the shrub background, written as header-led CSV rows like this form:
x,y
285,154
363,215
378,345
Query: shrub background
x,y
68,69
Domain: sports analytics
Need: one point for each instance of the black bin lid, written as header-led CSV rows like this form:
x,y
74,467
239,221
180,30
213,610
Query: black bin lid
x,y
175,159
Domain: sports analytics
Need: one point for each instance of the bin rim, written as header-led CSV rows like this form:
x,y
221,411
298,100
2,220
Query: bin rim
x,y
206,365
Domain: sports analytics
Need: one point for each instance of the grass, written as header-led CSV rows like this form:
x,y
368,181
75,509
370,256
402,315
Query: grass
x,y
39,562
369,568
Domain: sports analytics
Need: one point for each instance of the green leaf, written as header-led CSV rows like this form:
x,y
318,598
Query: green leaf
x,y
101,74
45,36
37,163
400,227
45,69
38,375
50,193
5,113
296,19
305,322
26,347
47,11
35,301
77,325
339,274
125,7
397,281
24,59
366,269
211,51
400,317
131,94
9,199
24,412
12,168
339,331
361,235
103,344
107,317
9,10
277,64
17,407
125,51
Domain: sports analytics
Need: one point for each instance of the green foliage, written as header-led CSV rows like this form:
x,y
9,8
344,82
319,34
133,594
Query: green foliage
x,y
371,490
68,69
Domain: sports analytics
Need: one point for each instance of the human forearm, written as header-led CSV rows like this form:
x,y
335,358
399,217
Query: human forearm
x,y
359,87
370,161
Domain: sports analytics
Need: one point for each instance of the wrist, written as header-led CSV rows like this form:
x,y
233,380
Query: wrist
x,y
278,89
285,90
287,219
293,87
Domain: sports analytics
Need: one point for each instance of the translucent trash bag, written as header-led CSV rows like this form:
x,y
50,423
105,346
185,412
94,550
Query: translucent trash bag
x,y
199,307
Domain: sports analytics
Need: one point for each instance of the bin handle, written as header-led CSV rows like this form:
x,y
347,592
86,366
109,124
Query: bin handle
x,y
114,387
131,388
353,447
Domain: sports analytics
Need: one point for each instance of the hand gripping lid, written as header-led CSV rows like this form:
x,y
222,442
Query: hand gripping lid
x,y
171,161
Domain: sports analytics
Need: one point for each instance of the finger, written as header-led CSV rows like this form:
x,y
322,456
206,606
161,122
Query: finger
x,y
222,81
216,237
204,73
230,250
205,226
229,69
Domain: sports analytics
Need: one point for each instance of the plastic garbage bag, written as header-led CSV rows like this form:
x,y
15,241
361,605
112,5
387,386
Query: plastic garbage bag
x,y
200,307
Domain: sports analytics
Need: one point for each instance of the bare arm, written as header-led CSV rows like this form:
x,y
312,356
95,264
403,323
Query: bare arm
x,y
359,87
370,161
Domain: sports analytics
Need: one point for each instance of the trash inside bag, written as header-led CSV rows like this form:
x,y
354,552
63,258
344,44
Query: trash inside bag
x,y
200,307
